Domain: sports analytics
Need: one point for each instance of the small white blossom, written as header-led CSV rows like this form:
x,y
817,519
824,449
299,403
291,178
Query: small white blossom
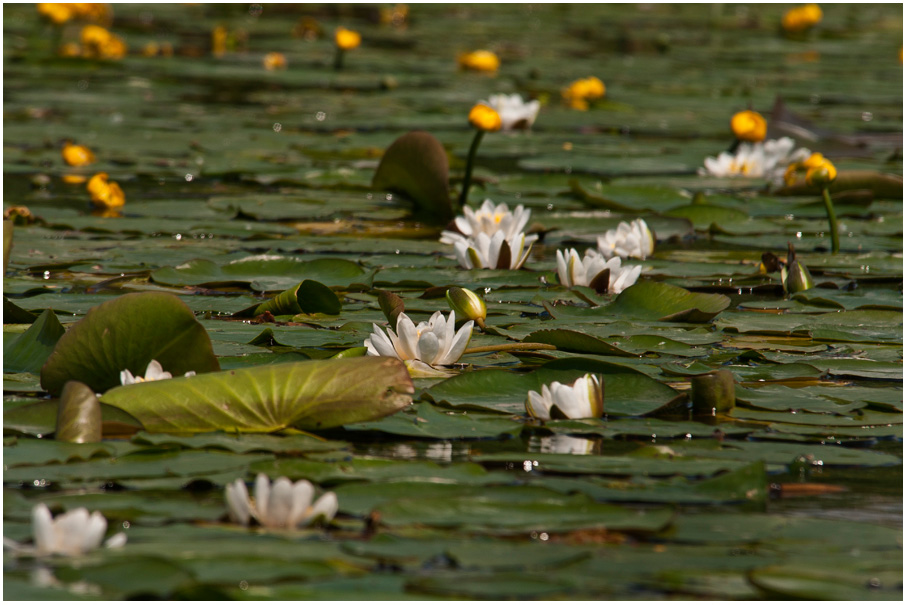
x,y
281,505
766,160
582,399
73,533
489,219
628,240
433,342
515,113
154,371
495,252
575,271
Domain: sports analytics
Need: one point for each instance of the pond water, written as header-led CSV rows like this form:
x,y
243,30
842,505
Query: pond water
x,y
795,492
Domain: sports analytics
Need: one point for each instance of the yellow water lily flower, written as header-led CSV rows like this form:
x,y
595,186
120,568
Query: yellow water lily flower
x,y
77,155
822,174
484,118
749,126
99,43
581,91
479,60
219,41
274,61
813,163
347,39
801,18
104,193
56,12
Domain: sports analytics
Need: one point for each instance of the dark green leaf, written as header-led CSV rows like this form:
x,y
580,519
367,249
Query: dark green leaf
x,y
30,350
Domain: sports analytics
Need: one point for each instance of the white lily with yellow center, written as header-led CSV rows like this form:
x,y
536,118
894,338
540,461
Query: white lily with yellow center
x,y
589,271
73,533
582,399
515,113
435,342
154,371
495,252
628,240
489,219
765,160
281,505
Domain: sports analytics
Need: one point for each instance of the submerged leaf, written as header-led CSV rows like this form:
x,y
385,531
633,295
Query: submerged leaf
x,y
306,395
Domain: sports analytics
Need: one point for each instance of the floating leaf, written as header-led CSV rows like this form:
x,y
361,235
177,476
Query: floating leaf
x,y
885,186
79,416
308,296
267,272
704,216
306,395
126,333
576,342
416,166
29,351
14,314
664,302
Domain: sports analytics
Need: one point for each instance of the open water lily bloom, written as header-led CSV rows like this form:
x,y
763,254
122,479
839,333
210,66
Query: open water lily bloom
x,y
73,533
767,160
582,399
515,113
573,270
435,342
495,252
629,240
154,371
281,505
489,219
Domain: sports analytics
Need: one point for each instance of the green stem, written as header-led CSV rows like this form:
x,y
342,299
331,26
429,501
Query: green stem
x,y
832,220
338,59
513,346
470,160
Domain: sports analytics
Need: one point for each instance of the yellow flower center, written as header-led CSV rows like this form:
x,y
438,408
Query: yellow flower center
x,y
484,118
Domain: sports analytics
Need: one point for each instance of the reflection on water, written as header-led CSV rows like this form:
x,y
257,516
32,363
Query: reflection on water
x,y
563,444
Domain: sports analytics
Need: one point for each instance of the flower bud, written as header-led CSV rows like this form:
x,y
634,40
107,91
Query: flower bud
x,y
795,277
483,117
821,175
749,126
467,305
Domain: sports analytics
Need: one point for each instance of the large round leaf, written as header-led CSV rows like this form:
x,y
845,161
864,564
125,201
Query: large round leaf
x,y
416,166
306,395
126,333
664,302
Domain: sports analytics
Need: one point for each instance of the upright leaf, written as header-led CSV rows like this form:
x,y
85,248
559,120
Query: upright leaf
x,y
126,333
79,414
416,166
391,305
308,296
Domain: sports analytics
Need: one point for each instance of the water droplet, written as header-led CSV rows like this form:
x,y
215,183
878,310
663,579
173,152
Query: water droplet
x,y
243,585
543,536
866,116
126,525
277,126
178,236
47,275
320,116
189,178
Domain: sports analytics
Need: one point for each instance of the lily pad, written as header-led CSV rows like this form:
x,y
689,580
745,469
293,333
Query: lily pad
x,y
415,165
126,333
664,302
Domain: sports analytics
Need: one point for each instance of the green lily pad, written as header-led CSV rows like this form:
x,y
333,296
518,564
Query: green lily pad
x,y
306,395
663,302
126,333
30,350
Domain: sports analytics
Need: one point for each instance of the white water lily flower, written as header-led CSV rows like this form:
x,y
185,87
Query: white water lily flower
x,y
434,342
73,533
629,240
154,371
489,219
587,271
514,112
582,399
495,252
766,160
281,505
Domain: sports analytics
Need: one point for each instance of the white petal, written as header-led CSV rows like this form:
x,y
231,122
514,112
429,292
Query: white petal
x,y
457,345
280,502
407,344
93,532
237,497
155,371
537,406
324,508
43,529
262,496
429,348
302,499
379,344
116,541
126,377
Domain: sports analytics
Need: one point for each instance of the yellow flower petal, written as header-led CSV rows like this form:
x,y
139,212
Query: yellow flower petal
x,y
347,39
483,117
749,126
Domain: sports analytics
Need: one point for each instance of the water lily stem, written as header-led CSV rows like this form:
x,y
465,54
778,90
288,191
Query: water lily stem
x,y
470,160
832,220
338,59
512,346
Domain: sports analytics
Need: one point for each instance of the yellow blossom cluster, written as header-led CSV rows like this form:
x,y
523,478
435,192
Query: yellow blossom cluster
x,y
59,13
100,43
581,91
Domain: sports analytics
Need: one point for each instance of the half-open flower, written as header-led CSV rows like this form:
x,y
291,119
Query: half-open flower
x,y
515,114
495,252
434,342
628,240
154,371
594,271
582,399
484,118
281,505
72,533
767,160
467,304
489,219
749,125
